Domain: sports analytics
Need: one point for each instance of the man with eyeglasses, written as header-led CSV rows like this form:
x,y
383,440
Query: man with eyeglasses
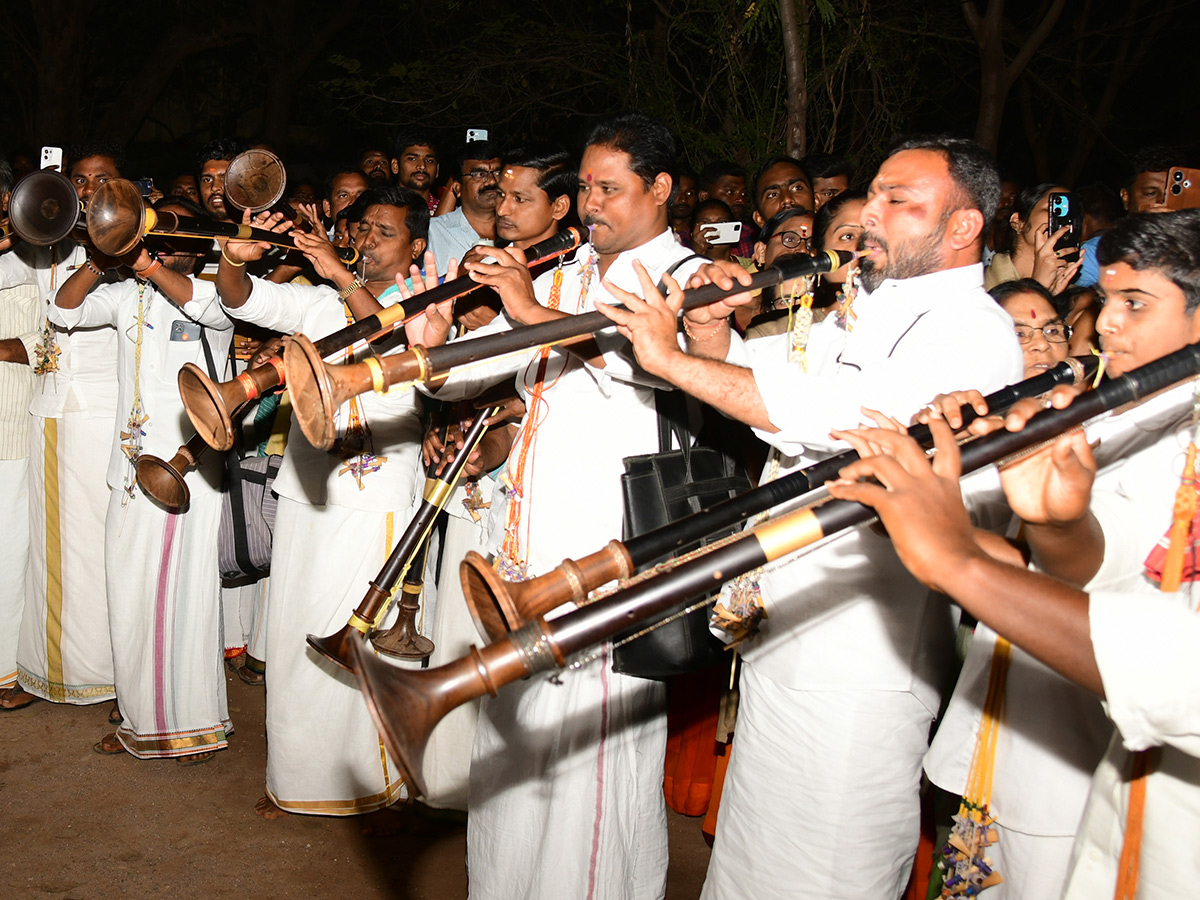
x,y
473,220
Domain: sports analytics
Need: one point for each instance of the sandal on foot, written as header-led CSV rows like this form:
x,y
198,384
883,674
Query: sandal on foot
x,y
108,745
195,759
251,674
16,697
114,715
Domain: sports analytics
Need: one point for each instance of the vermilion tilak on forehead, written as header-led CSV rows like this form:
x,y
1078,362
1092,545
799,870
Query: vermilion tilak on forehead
x,y
1033,314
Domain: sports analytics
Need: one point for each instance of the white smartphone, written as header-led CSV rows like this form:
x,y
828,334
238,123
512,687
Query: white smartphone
x,y
722,232
52,158
476,134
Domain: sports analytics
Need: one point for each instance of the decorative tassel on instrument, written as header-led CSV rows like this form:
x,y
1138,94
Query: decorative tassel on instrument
x,y
370,612
319,389
406,705
210,406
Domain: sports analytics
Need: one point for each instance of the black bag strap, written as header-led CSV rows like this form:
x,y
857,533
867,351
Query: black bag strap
x,y
233,485
670,406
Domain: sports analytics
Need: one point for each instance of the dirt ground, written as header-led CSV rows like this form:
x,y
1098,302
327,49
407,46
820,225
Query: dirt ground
x,y
80,826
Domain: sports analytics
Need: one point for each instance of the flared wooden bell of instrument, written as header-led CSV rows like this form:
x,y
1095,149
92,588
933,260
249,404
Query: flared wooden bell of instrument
x,y
164,480
317,389
255,180
117,217
407,704
44,207
336,647
489,597
499,607
209,405
403,640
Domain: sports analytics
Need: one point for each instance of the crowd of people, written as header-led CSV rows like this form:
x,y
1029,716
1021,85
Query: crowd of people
x,y
1064,731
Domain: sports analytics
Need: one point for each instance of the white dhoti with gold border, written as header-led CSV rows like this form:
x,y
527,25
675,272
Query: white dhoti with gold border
x,y
14,559
64,652
324,756
165,619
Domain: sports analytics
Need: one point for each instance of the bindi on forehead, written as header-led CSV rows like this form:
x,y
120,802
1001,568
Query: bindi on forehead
x,y
589,175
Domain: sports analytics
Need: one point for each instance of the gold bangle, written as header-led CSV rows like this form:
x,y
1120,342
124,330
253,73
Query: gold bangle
x,y
378,385
700,340
349,289
232,262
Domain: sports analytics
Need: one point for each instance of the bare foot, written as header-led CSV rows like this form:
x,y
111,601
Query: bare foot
x,y
266,808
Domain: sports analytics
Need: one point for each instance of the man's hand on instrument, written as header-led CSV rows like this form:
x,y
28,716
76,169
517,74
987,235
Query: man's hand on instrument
x,y
431,328
267,349
243,252
726,275
505,272
319,251
919,504
948,407
650,322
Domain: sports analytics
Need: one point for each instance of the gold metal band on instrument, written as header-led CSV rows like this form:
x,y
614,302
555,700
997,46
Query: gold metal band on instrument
x,y
378,385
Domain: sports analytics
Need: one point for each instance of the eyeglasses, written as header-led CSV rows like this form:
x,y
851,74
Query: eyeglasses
x,y
482,174
1055,334
793,239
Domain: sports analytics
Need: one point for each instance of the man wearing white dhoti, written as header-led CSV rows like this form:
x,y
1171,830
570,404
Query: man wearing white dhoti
x,y
566,776
338,517
163,583
63,651
839,689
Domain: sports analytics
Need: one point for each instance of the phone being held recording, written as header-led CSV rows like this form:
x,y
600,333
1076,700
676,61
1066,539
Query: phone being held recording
x,y
1065,213
1183,189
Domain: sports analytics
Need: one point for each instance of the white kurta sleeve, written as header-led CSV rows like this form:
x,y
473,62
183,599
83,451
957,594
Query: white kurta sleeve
x,y
98,308
1148,651
279,307
205,306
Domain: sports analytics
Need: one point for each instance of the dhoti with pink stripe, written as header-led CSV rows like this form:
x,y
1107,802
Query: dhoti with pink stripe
x,y
165,620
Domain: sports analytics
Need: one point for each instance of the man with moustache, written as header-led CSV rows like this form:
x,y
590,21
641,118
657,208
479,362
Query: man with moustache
x,y
566,777
373,162
341,189
63,652
338,512
536,183
473,221
843,679
161,564
415,164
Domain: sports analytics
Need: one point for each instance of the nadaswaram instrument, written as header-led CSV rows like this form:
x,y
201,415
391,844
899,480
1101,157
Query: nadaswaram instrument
x,y
210,405
406,705
164,480
370,612
500,606
318,389
118,219
44,208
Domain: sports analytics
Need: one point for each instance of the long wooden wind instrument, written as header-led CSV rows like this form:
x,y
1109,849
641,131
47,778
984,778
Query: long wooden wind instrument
x,y
500,606
406,705
210,406
370,612
318,389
